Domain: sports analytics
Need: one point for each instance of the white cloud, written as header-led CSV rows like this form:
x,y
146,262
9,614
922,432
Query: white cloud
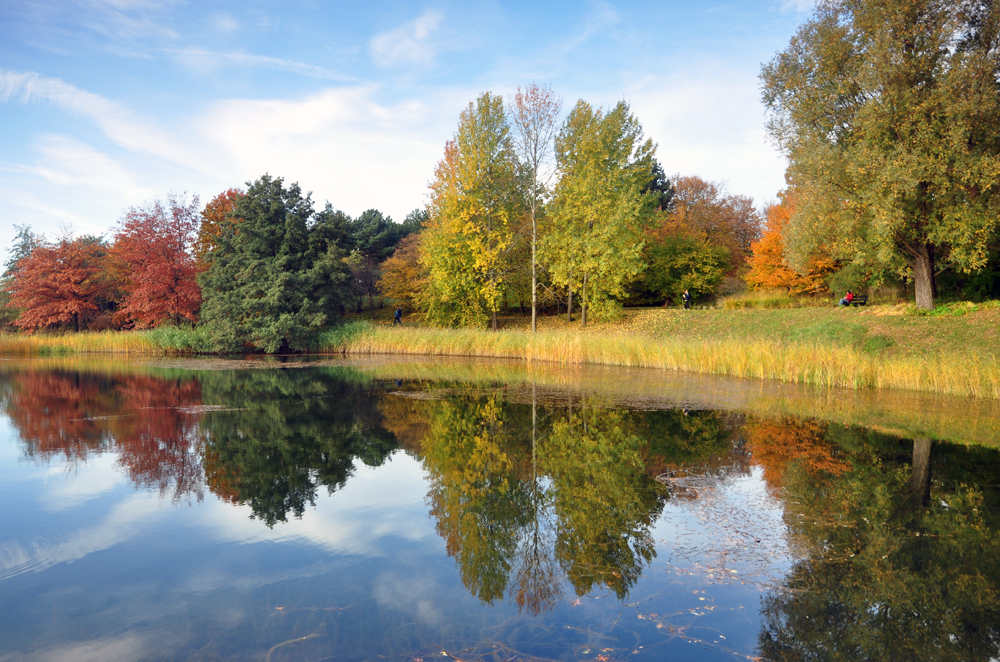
x,y
116,122
798,5
68,162
209,61
409,43
127,647
709,122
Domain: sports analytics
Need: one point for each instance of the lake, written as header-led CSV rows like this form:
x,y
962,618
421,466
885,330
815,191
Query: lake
x,y
321,509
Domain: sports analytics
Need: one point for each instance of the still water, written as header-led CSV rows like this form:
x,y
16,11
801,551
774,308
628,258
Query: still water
x,y
323,511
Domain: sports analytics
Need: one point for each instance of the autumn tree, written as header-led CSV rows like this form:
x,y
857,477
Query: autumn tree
x,y
533,113
402,274
722,219
768,267
213,217
271,284
59,282
595,239
889,112
474,214
154,243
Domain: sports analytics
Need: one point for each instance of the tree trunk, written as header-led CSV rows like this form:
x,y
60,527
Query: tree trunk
x,y
923,276
583,306
494,320
569,306
76,322
534,276
920,476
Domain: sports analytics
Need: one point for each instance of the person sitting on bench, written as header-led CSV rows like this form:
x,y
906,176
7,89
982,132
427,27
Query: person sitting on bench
x,y
848,298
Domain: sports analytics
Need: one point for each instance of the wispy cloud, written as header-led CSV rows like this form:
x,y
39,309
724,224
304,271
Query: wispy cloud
x,y
203,59
798,5
410,43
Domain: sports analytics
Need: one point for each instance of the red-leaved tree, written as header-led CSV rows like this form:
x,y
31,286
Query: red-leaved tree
x,y
154,244
59,282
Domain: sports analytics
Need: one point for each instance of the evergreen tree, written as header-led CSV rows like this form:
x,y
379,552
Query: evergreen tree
x,y
269,285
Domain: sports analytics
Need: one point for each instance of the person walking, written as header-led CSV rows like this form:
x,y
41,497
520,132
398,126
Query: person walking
x,y
687,300
397,317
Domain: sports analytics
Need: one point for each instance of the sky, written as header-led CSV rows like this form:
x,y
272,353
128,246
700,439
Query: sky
x,y
108,104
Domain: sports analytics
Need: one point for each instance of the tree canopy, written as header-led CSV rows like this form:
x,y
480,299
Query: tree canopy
x,y
268,285
889,112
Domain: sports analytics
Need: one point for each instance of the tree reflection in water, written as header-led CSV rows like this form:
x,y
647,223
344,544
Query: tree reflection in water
x,y
526,502
897,540
902,550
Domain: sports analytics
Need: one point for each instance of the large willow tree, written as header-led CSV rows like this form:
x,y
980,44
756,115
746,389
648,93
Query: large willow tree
x,y
595,240
889,112
475,212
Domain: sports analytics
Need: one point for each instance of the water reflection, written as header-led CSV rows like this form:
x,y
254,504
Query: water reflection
x,y
542,501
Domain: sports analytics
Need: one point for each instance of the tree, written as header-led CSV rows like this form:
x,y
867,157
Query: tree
x,y
402,275
270,284
59,282
889,112
154,244
474,213
720,218
533,115
680,261
595,240
213,217
768,267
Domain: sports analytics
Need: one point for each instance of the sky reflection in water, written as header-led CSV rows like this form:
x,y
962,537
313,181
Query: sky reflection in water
x,y
320,513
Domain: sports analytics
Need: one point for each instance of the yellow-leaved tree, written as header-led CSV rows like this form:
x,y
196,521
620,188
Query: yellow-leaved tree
x,y
475,212
595,238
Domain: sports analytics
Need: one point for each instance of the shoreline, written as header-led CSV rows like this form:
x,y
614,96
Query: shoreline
x,y
791,361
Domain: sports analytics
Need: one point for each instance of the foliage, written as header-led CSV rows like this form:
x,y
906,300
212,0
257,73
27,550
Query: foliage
x,y
723,220
153,244
59,282
890,115
594,244
403,276
768,267
213,218
269,284
474,215
679,262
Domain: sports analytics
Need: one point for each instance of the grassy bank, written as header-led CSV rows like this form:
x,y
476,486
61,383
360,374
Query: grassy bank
x,y
954,351
807,361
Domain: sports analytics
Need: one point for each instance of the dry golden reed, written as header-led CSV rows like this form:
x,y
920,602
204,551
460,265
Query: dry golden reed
x,y
799,362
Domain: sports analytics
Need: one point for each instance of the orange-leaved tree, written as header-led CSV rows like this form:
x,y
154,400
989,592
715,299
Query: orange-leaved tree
x,y
154,243
768,269
402,274
212,219
59,282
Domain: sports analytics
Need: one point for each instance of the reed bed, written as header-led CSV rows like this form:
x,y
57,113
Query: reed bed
x,y
798,362
118,343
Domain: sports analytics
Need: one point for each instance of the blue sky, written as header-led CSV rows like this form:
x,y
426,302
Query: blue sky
x,y
105,104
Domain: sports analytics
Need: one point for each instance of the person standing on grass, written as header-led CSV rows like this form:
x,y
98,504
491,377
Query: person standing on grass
x,y
848,298
397,317
687,300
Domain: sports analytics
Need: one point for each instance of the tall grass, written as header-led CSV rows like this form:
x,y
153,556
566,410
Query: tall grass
x,y
759,299
127,343
802,362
